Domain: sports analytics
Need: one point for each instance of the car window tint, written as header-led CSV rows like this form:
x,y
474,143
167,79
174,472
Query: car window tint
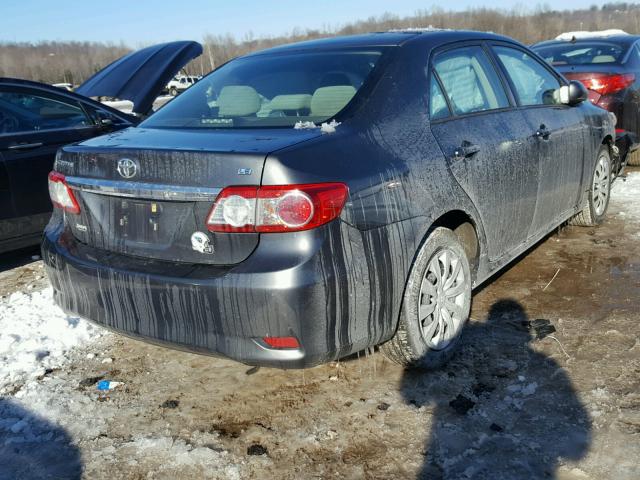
x,y
25,112
437,103
534,84
470,81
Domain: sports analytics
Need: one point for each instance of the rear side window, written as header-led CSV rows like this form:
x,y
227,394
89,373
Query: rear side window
x,y
470,81
22,112
534,84
98,115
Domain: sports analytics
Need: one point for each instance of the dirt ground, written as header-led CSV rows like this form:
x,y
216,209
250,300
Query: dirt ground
x,y
509,405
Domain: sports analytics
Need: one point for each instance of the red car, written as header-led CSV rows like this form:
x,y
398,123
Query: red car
x,y
608,64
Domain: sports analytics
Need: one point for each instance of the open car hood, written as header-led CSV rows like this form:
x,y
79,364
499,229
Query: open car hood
x,y
141,75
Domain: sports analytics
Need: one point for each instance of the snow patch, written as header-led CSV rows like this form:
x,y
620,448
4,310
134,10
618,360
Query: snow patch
x,y
626,193
568,36
329,127
427,29
35,335
304,125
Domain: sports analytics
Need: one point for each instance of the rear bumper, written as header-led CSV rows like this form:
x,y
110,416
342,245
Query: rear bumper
x,y
292,285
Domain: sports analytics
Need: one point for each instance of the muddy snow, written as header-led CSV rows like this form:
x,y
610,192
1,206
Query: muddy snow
x,y
545,385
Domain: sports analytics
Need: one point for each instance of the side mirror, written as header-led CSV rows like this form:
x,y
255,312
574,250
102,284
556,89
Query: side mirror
x,y
573,94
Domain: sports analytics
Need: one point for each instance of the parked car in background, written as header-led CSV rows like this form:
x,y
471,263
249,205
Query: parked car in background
x,y
36,119
180,83
306,202
608,64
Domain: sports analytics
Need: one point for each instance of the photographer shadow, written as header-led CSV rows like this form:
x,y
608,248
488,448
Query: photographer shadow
x,y
32,447
500,409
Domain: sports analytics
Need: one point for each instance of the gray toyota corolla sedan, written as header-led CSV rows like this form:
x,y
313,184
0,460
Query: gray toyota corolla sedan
x,y
306,202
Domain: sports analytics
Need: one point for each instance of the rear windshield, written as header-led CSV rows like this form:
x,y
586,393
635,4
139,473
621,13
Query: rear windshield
x,y
581,53
271,91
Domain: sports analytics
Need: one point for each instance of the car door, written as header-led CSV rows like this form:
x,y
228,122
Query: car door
x,y
560,131
35,124
487,143
6,212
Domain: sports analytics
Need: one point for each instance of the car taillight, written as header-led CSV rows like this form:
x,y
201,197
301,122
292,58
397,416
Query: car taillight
x,y
603,83
61,195
286,208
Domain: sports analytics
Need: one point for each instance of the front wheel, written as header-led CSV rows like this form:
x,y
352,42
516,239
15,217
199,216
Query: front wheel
x,y
173,91
436,304
595,205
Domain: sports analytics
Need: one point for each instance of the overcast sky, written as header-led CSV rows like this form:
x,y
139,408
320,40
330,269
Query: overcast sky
x,y
138,22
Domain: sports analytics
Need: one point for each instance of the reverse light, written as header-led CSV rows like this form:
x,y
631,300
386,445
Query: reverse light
x,y
61,195
604,83
285,208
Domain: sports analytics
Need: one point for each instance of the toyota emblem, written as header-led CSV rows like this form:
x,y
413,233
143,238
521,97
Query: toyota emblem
x,y
127,168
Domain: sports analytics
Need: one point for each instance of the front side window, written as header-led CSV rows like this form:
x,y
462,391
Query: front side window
x,y
26,112
276,90
470,81
534,84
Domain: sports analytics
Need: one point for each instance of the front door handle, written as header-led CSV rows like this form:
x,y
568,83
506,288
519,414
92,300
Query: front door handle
x,y
467,149
25,146
543,132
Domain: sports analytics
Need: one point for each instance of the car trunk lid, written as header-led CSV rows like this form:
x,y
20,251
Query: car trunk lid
x,y
147,192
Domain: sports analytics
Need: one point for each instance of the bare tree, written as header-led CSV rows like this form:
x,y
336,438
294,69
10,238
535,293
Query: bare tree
x,y
74,62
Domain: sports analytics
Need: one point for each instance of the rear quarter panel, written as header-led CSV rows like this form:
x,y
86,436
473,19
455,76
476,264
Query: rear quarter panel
x,y
399,184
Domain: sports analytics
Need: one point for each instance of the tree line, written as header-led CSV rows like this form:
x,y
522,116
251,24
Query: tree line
x,y
74,62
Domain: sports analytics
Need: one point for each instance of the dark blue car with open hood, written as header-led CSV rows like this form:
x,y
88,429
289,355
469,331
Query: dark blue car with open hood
x,y
306,202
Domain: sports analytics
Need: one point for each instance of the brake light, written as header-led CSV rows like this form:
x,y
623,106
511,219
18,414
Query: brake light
x,y
61,195
603,83
286,208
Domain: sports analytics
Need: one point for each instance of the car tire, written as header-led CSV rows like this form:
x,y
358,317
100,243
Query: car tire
x,y
428,342
634,158
595,205
173,91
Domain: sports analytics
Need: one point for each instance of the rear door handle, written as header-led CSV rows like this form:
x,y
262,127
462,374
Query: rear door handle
x,y
543,132
25,146
465,150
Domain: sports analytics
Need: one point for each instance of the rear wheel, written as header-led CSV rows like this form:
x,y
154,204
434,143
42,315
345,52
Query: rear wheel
x,y
634,158
436,304
595,205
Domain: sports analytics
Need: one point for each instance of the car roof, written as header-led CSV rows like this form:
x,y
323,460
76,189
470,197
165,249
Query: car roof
x,y
392,38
